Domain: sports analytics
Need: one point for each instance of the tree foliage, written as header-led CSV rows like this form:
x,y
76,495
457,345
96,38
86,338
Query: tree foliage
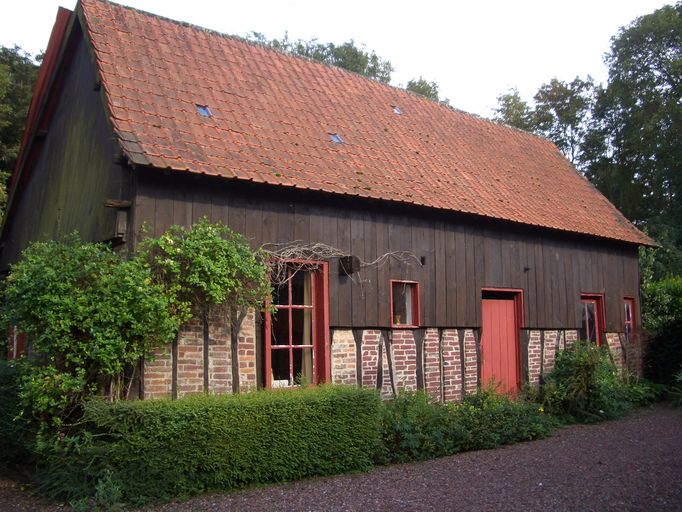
x,y
626,135
638,132
560,112
18,72
207,265
424,88
89,315
346,55
514,111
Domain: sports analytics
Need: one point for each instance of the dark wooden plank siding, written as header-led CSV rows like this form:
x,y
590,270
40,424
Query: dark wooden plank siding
x,y
73,170
460,256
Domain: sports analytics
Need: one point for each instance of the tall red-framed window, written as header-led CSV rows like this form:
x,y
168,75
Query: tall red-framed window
x,y
592,318
297,330
630,323
404,304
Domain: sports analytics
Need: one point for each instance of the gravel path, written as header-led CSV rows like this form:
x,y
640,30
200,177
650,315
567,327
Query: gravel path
x,y
625,465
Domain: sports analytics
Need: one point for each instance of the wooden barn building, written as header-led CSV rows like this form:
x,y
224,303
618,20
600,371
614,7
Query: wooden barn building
x,y
457,250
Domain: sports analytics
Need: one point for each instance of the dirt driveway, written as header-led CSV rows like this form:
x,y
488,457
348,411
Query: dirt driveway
x,y
625,465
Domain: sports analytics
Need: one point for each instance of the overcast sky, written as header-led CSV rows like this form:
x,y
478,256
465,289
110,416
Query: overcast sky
x,y
473,50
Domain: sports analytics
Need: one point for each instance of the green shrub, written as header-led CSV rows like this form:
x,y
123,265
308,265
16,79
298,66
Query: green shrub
x,y
494,420
662,317
414,428
88,315
585,387
161,449
15,433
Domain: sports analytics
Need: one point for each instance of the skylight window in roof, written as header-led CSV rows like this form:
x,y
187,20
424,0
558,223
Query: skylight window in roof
x,y
203,110
397,110
336,138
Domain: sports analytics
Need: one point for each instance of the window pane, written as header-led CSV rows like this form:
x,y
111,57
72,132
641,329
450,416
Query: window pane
x,y
280,368
301,288
302,326
408,304
281,294
280,327
628,312
589,329
303,366
399,304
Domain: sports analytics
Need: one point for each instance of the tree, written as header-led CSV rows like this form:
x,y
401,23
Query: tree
x,y
18,72
561,114
636,143
424,88
208,267
514,111
347,55
89,316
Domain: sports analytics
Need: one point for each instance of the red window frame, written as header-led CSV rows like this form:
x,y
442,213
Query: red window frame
x,y
629,326
16,342
319,307
416,320
597,300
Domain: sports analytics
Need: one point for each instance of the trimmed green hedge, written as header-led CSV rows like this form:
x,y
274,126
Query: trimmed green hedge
x,y
160,449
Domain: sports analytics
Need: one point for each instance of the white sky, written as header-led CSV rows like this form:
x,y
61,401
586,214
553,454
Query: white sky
x,y
473,50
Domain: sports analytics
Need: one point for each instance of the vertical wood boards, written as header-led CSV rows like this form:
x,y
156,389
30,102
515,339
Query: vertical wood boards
x,y
460,257
72,172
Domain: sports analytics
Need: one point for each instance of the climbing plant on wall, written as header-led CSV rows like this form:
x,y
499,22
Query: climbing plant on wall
x,y
206,267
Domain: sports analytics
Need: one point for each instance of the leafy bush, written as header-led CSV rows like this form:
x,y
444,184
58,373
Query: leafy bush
x,y
161,449
494,420
88,314
662,316
585,386
414,428
15,433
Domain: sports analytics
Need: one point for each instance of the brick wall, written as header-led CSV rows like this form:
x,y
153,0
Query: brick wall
x,y
343,355
470,363
158,374
404,358
550,350
449,365
219,356
452,366
191,359
534,357
370,358
246,350
616,350
432,364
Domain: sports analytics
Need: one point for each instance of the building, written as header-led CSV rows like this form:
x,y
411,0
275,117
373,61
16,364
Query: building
x,y
470,251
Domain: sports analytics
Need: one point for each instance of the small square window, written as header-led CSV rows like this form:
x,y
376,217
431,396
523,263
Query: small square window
x,y
397,110
203,110
404,304
336,138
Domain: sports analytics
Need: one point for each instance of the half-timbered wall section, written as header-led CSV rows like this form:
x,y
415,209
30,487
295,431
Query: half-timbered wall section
x,y
456,258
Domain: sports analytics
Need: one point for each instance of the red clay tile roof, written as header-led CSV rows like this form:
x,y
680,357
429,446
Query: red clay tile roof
x,y
272,116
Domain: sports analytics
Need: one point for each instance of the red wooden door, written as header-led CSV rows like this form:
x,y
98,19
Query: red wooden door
x,y
500,345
